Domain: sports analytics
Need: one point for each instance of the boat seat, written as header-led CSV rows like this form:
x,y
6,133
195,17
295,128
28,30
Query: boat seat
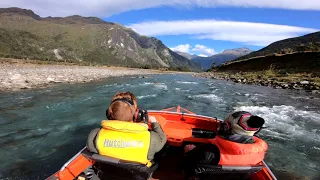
x,y
113,168
205,171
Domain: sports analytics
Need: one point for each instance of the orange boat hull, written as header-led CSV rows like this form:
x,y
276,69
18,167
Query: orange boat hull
x,y
178,125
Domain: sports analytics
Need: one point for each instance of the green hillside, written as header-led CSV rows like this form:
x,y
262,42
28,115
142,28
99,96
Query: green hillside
x,y
294,55
308,62
82,40
306,43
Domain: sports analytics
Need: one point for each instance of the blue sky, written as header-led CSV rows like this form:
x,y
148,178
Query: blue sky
x,y
300,18
202,27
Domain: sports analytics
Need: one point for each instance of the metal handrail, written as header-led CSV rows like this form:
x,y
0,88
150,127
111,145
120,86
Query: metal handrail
x,y
179,113
270,172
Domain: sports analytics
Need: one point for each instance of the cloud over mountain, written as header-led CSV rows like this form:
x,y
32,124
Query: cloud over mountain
x,y
185,48
105,8
202,50
248,33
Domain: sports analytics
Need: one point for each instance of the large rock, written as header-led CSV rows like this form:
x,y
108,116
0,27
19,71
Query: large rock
x,y
304,82
18,78
50,79
315,92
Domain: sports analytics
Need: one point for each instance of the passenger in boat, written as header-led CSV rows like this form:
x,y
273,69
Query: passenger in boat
x,y
125,135
234,144
240,127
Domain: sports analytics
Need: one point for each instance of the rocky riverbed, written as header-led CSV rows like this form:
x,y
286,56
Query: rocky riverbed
x,y
16,76
297,83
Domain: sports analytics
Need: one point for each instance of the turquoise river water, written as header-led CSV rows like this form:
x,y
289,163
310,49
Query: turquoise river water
x,y
41,129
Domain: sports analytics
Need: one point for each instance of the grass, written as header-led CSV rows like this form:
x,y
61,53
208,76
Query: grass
x,y
307,62
40,62
272,74
302,44
271,71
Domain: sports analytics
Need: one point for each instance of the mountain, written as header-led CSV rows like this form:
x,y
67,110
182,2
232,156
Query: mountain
x,y
186,55
306,43
294,55
238,51
226,55
85,40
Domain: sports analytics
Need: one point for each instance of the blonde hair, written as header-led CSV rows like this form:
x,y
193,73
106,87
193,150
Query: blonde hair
x,y
121,110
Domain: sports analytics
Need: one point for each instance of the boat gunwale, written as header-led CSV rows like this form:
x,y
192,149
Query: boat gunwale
x,y
181,113
269,170
73,158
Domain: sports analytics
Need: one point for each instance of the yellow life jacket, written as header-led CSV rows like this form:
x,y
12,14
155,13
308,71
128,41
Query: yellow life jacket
x,y
124,140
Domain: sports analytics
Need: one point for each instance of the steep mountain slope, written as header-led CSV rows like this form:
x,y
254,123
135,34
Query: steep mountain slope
x,y
226,55
88,40
306,62
294,55
186,55
238,51
306,43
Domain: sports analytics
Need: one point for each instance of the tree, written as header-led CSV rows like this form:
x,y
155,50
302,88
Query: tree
x,y
213,66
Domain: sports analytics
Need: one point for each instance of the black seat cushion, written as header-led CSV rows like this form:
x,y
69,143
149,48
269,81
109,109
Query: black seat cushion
x,y
206,171
108,171
113,168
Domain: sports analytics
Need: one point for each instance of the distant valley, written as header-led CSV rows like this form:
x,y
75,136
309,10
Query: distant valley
x,y
218,59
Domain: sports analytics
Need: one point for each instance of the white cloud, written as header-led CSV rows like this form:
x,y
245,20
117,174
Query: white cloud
x,y
182,48
105,8
202,55
204,50
259,34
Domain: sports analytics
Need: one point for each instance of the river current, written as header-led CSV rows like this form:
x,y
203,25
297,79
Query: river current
x,y
41,129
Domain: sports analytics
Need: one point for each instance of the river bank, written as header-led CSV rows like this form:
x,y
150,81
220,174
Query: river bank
x,y
268,78
17,75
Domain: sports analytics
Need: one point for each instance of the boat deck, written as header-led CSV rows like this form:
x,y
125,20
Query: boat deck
x,y
170,167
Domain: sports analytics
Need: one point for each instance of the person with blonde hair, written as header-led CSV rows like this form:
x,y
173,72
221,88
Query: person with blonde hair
x,y
125,135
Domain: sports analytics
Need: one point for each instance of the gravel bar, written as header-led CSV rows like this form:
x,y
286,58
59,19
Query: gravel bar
x,y
17,76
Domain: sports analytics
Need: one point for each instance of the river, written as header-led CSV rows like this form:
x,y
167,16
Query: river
x,y
41,129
